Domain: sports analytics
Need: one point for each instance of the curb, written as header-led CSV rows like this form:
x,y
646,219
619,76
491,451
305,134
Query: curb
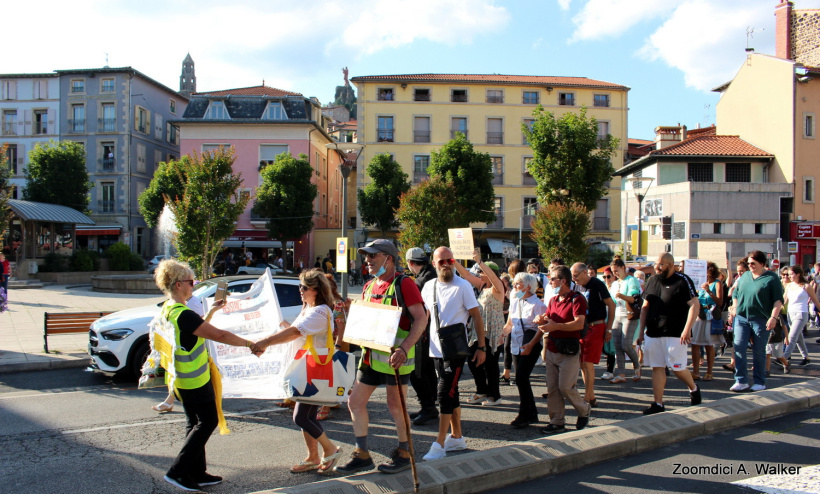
x,y
521,462
50,364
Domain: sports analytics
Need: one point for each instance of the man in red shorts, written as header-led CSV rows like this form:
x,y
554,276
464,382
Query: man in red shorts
x,y
600,312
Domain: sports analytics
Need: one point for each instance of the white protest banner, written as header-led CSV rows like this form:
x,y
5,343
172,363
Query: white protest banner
x,y
696,269
372,325
461,242
253,315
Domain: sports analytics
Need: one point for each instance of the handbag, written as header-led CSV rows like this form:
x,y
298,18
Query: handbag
x,y
717,326
453,338
567,346
322,376
633,310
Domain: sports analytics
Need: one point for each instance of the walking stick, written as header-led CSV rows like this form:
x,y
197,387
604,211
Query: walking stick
x,y
407,430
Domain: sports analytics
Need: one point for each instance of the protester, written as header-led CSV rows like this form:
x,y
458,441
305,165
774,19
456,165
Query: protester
x,y
340,309
313,320
742,267
797,295
758,297
450,301
377,368
190,358
525,343
562,325
5,273
609,345
624,329
670,308
513,269
710,296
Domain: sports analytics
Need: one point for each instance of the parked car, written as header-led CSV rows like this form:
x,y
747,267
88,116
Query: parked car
x,y
118,342
153,263
259,268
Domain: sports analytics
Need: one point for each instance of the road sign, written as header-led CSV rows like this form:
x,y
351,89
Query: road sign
x,y
341,254
775,264
695,236
793,247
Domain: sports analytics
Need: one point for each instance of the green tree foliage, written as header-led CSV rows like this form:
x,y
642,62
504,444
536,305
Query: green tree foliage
x,y
379,199
560,230
471,173
209,207
56,174
5,193
120,255
569,156
427,211
286,197
169,181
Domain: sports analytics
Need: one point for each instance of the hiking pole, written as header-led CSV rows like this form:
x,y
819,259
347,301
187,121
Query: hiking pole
x,y
407,430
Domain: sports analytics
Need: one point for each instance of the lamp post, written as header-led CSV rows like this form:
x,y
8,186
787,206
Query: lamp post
x,y
345,149
640,186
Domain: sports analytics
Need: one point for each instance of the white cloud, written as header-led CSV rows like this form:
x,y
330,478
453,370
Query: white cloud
x,y
564,4
600,19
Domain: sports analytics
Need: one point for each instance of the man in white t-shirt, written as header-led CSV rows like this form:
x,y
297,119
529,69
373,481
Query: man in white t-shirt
x,y
451,301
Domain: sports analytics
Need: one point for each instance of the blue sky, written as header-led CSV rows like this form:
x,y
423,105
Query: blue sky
x,y
670,52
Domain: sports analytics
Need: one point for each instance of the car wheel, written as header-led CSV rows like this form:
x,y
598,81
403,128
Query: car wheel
x,y
138,358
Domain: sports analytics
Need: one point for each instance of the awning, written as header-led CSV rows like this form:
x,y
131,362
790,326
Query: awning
x,y
497,245
99,230
50,213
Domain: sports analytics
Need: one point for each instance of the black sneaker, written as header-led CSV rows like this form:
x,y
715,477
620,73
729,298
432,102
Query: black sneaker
x,y
553,429
183,482
582,422
805,361
654,408
520,422
426,416
355,464
208,479
694,396
415,414
397,463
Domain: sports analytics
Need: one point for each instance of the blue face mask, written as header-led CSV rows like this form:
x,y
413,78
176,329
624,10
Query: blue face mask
x,y
381,269
518,294
556,290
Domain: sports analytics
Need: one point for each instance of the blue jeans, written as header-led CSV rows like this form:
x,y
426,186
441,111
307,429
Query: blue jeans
x,y
754,328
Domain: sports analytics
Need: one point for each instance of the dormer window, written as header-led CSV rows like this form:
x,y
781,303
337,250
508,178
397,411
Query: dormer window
x,y
275,111
217,111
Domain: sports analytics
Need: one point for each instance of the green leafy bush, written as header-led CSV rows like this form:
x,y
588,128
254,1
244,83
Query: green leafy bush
x,y
85,260
137,263
120,255
55,263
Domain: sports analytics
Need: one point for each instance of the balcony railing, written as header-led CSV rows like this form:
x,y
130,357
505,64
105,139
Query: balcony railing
x,y
498,178
9,130
76,125
459,98
385,96
421,136
40,128
495,99
107,164
528,179
498,223
599,224
107,124
421,97
386,135
526,221
105,206
420,177
495,138
453,133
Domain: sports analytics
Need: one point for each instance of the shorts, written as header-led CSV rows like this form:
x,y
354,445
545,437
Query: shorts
x,y
775,349
593,343
666,351
366,375
448,373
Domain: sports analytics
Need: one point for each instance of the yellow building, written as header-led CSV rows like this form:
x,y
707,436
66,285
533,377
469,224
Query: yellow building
x,y
408,116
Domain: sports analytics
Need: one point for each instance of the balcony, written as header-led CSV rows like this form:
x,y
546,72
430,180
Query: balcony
x,y
498,178
107,164
40,128
107,124
528,179
495,138
453,133
76,125
421,97
8,130
105,206
459,98
526,221
385,135
498,223
600,224
495,99
420,177
420,136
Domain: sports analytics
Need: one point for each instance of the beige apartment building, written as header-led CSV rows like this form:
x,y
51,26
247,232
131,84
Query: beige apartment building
x,y
408,116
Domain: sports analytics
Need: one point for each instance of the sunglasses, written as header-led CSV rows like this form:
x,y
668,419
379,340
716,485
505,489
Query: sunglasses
x,y
607,276
303,288
371,256
190,282
555,279
444,262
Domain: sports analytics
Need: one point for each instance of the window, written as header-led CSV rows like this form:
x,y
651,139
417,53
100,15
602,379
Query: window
x,y
498,206
108,156
421,95
385,94
106,204
11,157
40,122
172,134
527,178
421,129
495,133
77,86
216,111
172,106
141,158
530,206
275,111
808,189
495,96
107,85
41,89
420,164
458,96
700,172
528,123
601,100
603,132
739,172
385,130
758,228
530,97
808,125
498,169
9,89
458,124
717,227
108,122
9,122
212,148
600,218
269,152
77,122
566,99
142,120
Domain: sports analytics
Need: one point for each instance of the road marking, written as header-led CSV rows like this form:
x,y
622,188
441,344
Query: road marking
x,y
807,481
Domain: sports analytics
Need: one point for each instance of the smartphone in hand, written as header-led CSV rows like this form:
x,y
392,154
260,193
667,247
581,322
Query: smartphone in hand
x,y
221,291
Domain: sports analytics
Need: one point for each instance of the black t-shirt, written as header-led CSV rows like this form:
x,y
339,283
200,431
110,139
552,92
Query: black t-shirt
x,y
188,321
595,291
668,300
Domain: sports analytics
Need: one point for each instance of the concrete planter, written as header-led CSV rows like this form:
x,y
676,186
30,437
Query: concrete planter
x,y
125,283
77,277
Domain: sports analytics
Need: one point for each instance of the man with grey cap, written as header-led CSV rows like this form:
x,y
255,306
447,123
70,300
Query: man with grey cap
x,y
423,378
377,368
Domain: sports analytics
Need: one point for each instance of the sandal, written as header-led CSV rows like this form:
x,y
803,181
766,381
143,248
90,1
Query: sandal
x,y
637,376
728,367
323,414
708,377
305,466
476,399
617,380
328,462
696,377
287,404
163,407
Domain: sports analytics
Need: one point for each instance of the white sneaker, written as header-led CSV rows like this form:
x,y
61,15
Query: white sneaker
x,y
607,376
758,387
491,402
453,444
436,452
476,399
738,387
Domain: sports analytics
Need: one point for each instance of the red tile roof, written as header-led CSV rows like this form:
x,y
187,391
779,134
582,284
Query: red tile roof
x,y
712,145
249,91
639,142
710,131
490,78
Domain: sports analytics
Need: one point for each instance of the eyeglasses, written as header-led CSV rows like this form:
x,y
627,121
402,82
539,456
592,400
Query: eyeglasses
x,y
607,276
303,288
371,255
190,282
556,278
444,262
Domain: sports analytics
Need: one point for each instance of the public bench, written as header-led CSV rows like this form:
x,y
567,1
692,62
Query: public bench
x,y
68,322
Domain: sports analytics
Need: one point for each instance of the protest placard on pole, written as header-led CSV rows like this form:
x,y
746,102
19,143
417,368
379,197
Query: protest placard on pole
x,y
717,252
372,325
461,242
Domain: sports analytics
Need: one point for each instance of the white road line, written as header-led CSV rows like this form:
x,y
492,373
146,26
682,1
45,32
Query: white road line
x,y
808,480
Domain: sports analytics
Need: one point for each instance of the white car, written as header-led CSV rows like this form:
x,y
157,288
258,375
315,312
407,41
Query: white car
x,y
153,263
260,267
118,342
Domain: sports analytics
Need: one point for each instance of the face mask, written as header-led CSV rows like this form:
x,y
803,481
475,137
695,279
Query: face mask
x,y
556,290
518,294
381,269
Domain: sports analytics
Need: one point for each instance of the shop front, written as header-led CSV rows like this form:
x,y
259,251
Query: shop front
x,y
807,236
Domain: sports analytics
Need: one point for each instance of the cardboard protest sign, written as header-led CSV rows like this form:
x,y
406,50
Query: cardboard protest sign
x,y
696,269
372,325
717,252
461,242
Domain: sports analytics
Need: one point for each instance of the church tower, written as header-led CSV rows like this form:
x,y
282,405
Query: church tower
x,y
187,81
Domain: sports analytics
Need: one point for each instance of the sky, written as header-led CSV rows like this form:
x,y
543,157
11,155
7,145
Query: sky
x,y
671,53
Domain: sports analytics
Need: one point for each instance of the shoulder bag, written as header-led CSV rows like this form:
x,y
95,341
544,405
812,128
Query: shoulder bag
x,y
633,310
453,338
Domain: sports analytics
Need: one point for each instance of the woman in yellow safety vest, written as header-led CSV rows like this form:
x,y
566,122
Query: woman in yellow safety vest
x,y
192,385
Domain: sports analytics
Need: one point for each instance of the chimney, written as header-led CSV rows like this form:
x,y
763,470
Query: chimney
x,y
783,30
666,136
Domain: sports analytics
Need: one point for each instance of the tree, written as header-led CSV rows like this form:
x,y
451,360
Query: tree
x,y
571,164
207,211
560,231
427,211
286,197
5,193
169,181
379,200
56,174
471,173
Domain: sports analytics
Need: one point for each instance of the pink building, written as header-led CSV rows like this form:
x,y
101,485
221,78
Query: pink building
x,y
259,123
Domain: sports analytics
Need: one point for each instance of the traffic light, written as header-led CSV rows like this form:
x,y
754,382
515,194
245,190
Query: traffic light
x,y
666,227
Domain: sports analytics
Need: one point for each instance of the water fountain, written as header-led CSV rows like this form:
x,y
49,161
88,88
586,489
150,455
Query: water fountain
x,y
166,231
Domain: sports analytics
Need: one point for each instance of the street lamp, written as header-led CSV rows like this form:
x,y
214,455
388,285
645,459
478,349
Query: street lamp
x,y
345,150
640,185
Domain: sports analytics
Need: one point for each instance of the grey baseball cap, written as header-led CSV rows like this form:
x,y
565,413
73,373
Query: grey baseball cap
x,y
416,254
380,245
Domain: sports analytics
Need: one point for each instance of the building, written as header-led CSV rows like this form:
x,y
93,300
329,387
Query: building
x,y
703,188
408,116
261,122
